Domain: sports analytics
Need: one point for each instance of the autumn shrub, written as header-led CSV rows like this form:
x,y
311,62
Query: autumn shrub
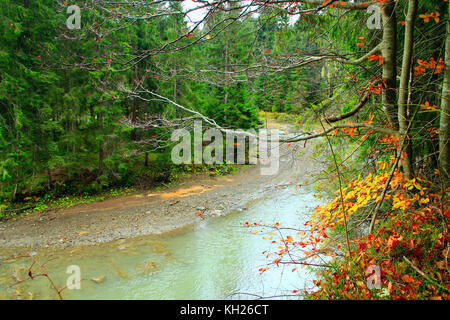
x,y
410,246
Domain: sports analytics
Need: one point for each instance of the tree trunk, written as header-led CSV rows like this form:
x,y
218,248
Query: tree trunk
x,y
225,99
444,148
175,93
49,178
403,118
100,145
389,52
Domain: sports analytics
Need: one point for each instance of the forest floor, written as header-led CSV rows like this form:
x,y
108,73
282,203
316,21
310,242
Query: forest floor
x,y
155,212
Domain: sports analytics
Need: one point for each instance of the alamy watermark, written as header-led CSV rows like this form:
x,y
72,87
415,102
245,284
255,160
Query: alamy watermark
x,y
74,20
74,280
373,274
374,21
241,147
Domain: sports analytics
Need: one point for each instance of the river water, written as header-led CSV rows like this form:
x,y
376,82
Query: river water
x,y
217,258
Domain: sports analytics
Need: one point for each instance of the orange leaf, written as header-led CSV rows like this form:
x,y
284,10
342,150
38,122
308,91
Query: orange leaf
x,y
407,278
263,269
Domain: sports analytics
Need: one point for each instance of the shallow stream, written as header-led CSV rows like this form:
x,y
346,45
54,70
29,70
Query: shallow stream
x,y
217,258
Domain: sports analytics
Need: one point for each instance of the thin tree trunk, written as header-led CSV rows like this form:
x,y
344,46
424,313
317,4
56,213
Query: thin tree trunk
x,y
444,148
175,93
225,99
100,145
403,119
175,72
49,178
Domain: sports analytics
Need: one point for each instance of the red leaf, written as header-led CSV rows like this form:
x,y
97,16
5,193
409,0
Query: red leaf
x,y
407,278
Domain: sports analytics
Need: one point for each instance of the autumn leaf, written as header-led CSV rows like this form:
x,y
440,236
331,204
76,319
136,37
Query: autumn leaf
x,y
407,278
261,270
426,106
436,17
375,57
424,17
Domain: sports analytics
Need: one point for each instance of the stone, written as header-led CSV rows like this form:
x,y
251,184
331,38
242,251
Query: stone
x,y
147,267
159,248
98,279
19,273
119,270
216,213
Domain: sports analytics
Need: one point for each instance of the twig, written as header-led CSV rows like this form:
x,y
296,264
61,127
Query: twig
x,y
383,194
424,275
43,274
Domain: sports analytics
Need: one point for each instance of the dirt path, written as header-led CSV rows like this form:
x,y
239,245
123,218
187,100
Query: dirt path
x,y
154,212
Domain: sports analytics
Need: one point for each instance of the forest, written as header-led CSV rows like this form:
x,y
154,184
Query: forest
x,y
91,92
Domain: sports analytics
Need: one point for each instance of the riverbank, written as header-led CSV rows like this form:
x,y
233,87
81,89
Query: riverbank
x,y
156,212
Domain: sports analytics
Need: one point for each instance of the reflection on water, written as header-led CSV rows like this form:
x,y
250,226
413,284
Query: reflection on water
x,y
215,259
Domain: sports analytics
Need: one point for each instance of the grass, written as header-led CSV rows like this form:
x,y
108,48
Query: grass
x,y
279,117
37,205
